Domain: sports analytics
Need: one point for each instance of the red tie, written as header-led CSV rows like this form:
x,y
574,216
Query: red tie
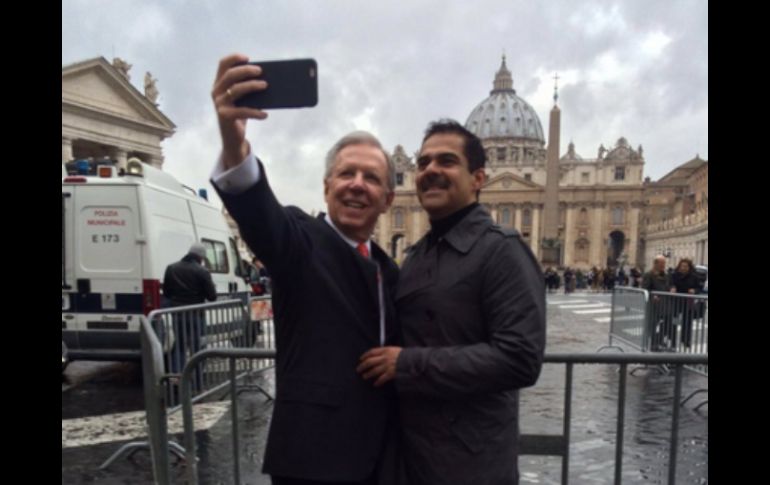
x,y
363,250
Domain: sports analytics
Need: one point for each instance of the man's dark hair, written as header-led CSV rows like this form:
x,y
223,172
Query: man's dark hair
x,y
472,147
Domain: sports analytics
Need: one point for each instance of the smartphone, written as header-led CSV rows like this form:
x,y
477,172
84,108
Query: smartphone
x,y
290,84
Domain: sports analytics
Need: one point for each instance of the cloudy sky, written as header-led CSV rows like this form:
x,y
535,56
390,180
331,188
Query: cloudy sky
x,y
637,69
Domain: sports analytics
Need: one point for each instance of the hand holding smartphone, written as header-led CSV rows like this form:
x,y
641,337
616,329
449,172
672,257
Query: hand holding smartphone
x,y
290,84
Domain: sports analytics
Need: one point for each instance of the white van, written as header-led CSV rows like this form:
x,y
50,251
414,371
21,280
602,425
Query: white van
x,y
119,232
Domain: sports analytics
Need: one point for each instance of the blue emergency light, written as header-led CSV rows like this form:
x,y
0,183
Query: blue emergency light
x,y
82,167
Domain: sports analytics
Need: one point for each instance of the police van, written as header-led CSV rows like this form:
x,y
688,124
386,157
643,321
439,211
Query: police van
x,y
119,232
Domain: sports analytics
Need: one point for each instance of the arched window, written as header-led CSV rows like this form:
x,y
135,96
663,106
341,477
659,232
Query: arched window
x,y
583,219
398,219
617,216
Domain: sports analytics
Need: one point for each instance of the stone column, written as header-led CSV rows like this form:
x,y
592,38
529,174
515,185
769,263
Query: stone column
x,y
417,226
66,149
633,246
121,156
569,236
385,222
493,212
537,212
597,236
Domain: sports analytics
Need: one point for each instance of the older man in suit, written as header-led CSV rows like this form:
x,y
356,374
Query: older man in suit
x,y
332,297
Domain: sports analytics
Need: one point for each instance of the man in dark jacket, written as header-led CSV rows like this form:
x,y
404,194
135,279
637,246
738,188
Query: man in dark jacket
x,y
332,296
187,282
659,323
471,301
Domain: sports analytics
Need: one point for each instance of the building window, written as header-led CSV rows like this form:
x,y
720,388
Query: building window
x,y
398,219
584,177
528,176
581,251
617,216
526,218
501,154
399,179
583,217
506,218
620,173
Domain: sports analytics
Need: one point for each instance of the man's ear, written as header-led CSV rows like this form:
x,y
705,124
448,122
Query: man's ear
x,y
479,178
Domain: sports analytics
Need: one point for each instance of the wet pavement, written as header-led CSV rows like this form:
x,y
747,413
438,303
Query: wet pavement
x,y
97,388
592,449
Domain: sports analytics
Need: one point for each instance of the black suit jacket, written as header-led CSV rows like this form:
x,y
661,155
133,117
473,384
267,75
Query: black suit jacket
x,y
328,423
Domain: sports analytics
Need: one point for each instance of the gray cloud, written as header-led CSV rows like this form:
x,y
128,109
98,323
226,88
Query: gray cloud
x,y
633,69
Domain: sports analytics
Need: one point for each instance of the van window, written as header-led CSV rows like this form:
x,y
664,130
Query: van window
x,y
216,256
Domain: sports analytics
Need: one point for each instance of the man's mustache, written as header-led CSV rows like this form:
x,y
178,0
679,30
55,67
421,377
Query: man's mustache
x,y
434,181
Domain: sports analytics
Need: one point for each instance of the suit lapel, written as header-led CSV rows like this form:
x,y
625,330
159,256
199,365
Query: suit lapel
x,y
364,276
390,275
418,271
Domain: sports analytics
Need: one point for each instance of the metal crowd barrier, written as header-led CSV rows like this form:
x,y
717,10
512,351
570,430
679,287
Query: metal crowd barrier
x,y
530,444
186,330
261,310
679,323
628,319
660,322
558,445
232,356
170,338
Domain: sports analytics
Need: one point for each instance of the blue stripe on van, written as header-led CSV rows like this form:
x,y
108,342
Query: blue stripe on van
x,y
92,303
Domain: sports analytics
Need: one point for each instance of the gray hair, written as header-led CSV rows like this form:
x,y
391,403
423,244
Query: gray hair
x,y
198,249
360,138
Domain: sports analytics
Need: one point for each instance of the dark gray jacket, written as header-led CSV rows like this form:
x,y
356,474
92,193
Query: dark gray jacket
x,y
472,311
655,281
186,282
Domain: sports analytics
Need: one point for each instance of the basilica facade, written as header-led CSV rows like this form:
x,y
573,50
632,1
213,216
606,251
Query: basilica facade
x,y
572,211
